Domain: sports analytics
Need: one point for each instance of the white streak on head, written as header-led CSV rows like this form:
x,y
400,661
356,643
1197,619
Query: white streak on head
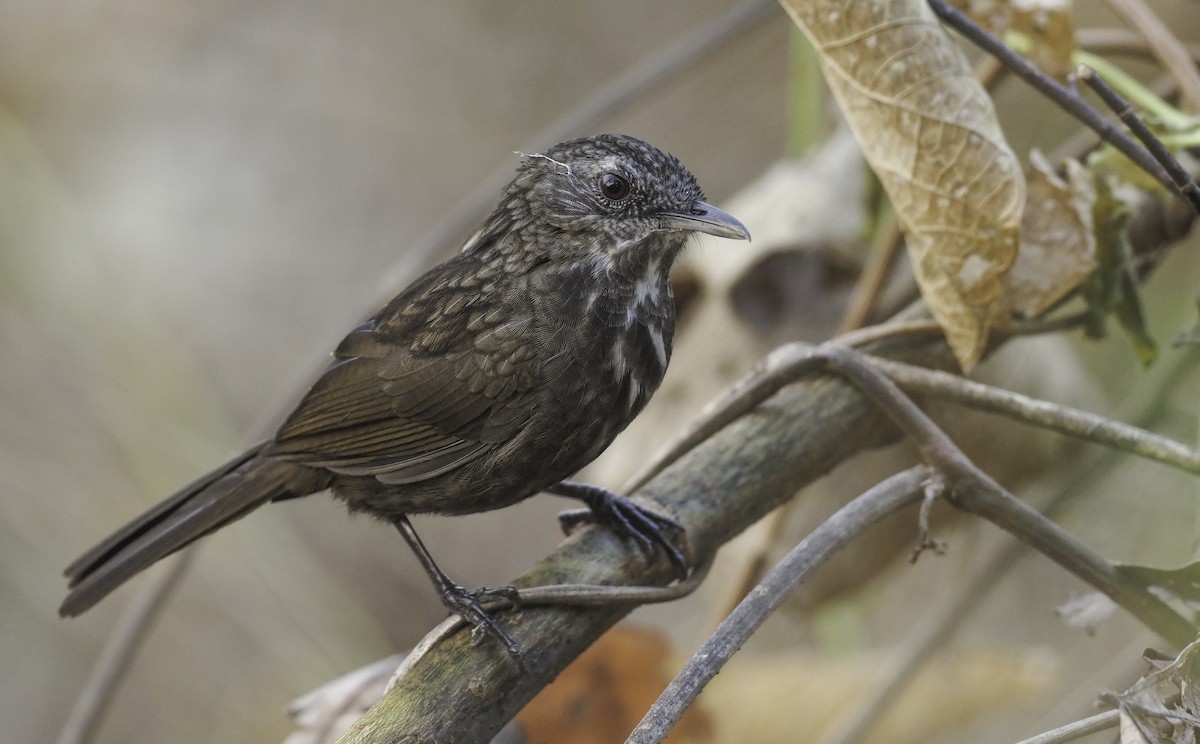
x,y
566,168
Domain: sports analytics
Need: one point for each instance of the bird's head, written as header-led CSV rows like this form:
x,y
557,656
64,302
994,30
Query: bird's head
x,y
613,186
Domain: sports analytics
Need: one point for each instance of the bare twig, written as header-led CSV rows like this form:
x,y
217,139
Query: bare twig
x,y
862,303
974,491
848,522
1124,41
981,584
1077,730
1053,416
957,480
774,372
1171,53
1182,180
1067,99
580,595
873,277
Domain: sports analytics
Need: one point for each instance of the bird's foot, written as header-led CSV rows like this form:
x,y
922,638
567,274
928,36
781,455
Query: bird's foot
x,y
468,604
620,514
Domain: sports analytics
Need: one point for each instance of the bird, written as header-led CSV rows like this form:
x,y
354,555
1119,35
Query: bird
x,y
495,376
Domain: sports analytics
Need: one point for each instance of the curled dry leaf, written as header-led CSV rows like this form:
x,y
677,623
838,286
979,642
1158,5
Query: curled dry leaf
x,y
1058,236
1051,32
1163,705
930,133
1046,25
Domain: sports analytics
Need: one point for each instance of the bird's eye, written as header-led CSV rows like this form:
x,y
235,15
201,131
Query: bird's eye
x,y
614,187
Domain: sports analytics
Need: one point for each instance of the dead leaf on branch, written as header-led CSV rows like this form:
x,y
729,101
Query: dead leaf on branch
x,y
930,133
1058,236
1046,24
1163,706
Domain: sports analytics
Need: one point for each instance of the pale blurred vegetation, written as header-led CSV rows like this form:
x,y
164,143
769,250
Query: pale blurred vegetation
x,y
196,200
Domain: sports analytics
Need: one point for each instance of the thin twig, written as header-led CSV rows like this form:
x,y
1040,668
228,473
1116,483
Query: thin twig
x,y
974,491
119,650
1167,48
886,498
781,368
775,371
988,577
958,481
1069,100
1052,416
862,303
581,595
1183,181
1123,41
873,277
1077,730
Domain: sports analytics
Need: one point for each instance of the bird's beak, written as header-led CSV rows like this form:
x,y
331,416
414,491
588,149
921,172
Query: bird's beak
x,y
704,217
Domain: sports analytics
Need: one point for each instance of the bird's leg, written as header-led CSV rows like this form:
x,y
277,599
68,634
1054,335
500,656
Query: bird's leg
x,y
465,602
624,517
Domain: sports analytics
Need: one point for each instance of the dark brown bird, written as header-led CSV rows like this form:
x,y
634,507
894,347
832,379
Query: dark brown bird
x,y
493,377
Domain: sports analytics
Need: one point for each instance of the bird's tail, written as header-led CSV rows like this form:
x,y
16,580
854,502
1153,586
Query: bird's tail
x,y
228,493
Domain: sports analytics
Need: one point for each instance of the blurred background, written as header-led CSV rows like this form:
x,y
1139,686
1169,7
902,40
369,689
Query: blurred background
x,y
198,199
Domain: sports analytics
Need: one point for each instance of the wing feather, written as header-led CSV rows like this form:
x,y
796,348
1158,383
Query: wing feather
x,y
428,385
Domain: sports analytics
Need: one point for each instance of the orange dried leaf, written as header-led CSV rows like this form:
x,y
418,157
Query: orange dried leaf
x,y
604,693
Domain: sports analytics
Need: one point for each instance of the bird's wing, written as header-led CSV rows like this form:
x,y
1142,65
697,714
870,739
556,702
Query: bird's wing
x,y
422,389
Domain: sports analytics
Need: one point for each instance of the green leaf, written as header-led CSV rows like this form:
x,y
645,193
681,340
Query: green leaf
x,y
1114,287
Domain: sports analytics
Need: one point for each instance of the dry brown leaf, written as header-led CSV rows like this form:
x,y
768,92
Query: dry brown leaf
x,y
930,133
1058,236
1051,31
604,693
1047,24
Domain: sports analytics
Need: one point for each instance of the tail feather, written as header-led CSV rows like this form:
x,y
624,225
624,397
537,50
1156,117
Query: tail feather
x,y
212,501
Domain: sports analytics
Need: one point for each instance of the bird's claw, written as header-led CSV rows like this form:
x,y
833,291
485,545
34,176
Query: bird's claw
x,y
620,514
468,604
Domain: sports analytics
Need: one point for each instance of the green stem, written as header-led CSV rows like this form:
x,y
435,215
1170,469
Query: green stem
x,y
1130,88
